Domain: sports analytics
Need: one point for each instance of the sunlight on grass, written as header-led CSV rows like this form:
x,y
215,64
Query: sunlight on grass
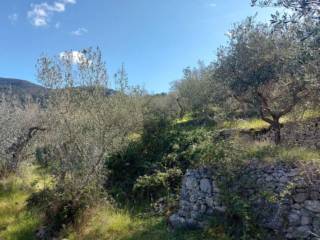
x,y
16,222
309,114
107,223
271,153
111,224
256,123
245,124
135,137
186,118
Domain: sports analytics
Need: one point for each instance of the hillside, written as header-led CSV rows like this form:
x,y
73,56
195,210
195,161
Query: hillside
x,y
22,89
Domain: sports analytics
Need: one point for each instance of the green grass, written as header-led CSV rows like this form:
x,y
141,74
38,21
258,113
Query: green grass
x,y
107,223
271,153
186,118
102,222
256,123
16,222
242,124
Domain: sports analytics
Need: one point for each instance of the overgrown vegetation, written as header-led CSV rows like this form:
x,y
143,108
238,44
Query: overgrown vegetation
x,y
95,163
16,221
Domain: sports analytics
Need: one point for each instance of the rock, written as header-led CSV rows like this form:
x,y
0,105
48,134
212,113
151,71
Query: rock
x,y
205,185
283,200
301,190
293,173
312,205
203,208
316,226
194,214
300,197
42,233
296,206
305,220
193,198
302,232
176,221
284,179
191,183
315,195
210,202
269,178
192,224
220,208
294,219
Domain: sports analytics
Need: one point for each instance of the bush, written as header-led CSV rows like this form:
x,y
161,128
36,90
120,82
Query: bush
x,y
164,151
158,184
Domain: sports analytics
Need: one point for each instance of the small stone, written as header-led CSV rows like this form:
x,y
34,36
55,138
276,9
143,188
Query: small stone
x,y
196,207
205,185
193,198
315,195
293,172
41,233
300,190
312,205
203,208
294,219
220,208
194,214
302,232
284,179
192,224
316,225
305,220
296,206
176,221
300,197
269,178
210,202
215,188
191,183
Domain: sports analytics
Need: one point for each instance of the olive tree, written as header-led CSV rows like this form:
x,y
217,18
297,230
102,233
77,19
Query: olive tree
x,y
264,70
299,8
303,18
85,122
193,93
19,123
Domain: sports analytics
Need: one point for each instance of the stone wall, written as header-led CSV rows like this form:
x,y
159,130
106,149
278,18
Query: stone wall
x,y
306,134
200,197
284,199
298,134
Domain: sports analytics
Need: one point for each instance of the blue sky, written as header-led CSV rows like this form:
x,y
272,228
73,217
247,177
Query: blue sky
x,y
155,39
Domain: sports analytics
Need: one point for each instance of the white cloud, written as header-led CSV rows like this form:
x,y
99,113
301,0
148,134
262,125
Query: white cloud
x,y
40,14
75,57
13,18
79,31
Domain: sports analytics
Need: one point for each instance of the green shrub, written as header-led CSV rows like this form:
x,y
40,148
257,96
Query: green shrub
x,y
163,150
158,184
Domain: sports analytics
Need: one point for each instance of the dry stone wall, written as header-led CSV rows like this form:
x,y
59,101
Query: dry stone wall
x,y
306,134
285,199
296,134
200,197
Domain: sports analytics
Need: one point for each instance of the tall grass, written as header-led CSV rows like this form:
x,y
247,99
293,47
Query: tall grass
x,y
265,151
16,222
108,223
